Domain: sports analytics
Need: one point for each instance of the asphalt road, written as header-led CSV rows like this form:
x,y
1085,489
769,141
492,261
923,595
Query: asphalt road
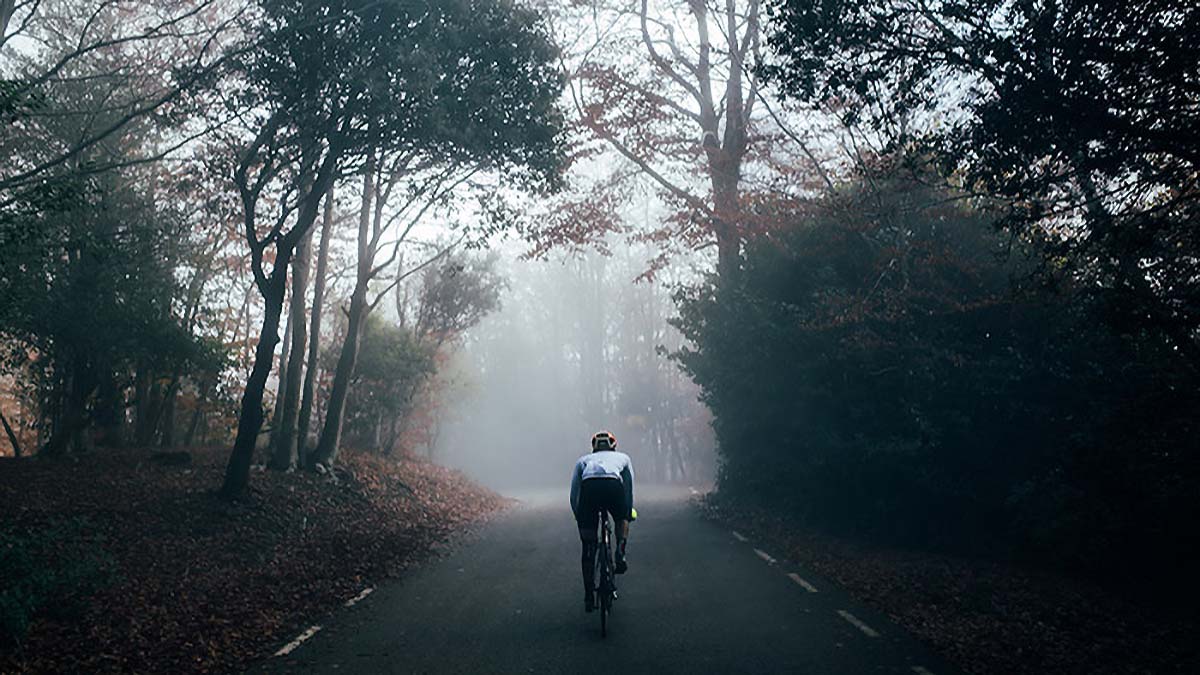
x,y
697,599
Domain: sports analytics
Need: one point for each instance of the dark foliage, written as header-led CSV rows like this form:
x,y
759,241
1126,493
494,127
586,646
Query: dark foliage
x,y
393,364
1080,116
473,80
87,281
889,367
52,571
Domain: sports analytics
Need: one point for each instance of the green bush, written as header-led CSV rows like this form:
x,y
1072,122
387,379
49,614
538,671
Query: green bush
x,y
880,368
51,572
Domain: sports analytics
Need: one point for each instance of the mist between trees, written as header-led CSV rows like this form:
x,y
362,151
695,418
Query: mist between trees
x,y
930,272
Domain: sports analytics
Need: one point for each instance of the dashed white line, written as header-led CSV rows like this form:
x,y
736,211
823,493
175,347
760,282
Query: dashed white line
x,y
857,623
737,535
287,649
921,670
354,601
763,554
802,583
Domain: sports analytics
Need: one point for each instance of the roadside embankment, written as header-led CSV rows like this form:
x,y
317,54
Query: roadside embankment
x,y
987,617
117,562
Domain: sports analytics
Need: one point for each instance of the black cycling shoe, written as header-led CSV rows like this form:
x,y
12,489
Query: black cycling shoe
x,y
622,566
589,602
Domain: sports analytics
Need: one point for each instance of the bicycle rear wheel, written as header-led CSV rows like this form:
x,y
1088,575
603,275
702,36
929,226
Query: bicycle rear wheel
x,y
605,577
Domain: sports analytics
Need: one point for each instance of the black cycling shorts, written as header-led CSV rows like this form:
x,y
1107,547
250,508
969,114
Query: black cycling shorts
x,y
597,495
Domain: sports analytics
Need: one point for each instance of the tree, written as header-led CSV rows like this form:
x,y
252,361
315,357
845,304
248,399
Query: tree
x,y
315,106
393,364
1080,116
884,368
456,293
88,285
314,346
284,455
333,86
137,64
681,110
495,102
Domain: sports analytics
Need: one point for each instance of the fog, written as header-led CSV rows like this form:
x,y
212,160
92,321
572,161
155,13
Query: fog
x,y
578,346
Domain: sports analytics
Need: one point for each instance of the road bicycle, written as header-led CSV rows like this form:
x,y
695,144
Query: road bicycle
x,y
606,589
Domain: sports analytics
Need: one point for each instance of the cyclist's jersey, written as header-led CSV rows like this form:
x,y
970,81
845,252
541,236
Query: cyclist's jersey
x,y
602,464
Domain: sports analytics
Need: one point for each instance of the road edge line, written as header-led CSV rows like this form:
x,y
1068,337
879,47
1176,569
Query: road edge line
x,y
291,646
356,599
764,555
858,623
801,582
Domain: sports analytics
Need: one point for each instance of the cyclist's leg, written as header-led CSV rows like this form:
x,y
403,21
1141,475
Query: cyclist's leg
x,y
622,538
587,518
616,504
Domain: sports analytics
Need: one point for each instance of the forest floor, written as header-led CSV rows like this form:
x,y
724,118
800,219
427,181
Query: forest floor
x,y
128,565
986,617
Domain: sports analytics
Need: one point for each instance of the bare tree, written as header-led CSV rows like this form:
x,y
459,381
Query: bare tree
x,y
688,101
145,60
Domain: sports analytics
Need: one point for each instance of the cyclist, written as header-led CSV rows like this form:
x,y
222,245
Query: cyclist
x,y
603,481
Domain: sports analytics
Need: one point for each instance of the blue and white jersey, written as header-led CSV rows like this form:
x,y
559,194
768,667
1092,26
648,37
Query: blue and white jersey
x,y
602,464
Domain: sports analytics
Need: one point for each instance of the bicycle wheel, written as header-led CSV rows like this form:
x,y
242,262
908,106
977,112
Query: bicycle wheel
x,y
603,609
605,577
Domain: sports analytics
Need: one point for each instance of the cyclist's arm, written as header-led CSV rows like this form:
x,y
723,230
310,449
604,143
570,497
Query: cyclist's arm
x,y
576,479
627,481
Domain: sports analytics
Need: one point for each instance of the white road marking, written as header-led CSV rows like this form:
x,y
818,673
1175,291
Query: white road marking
x,y
802,583
857,623
763,554
737,535
921,670
287,649
354,601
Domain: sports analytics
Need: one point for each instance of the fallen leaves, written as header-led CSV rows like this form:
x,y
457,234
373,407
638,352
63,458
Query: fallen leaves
x,y
987,616
208,586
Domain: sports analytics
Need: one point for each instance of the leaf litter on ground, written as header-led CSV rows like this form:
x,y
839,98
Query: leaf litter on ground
x,y
199,584
988,617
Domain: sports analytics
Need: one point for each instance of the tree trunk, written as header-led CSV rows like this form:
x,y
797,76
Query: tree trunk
x,y
331,436
167,433
206,385
237,472
12,435
68,434
314,341
277,408
284,457
141,403
7,7
165,421
110,411
273,289
673,444
170,404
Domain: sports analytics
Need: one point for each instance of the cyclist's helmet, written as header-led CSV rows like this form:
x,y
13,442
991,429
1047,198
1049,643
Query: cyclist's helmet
x,y
604,440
